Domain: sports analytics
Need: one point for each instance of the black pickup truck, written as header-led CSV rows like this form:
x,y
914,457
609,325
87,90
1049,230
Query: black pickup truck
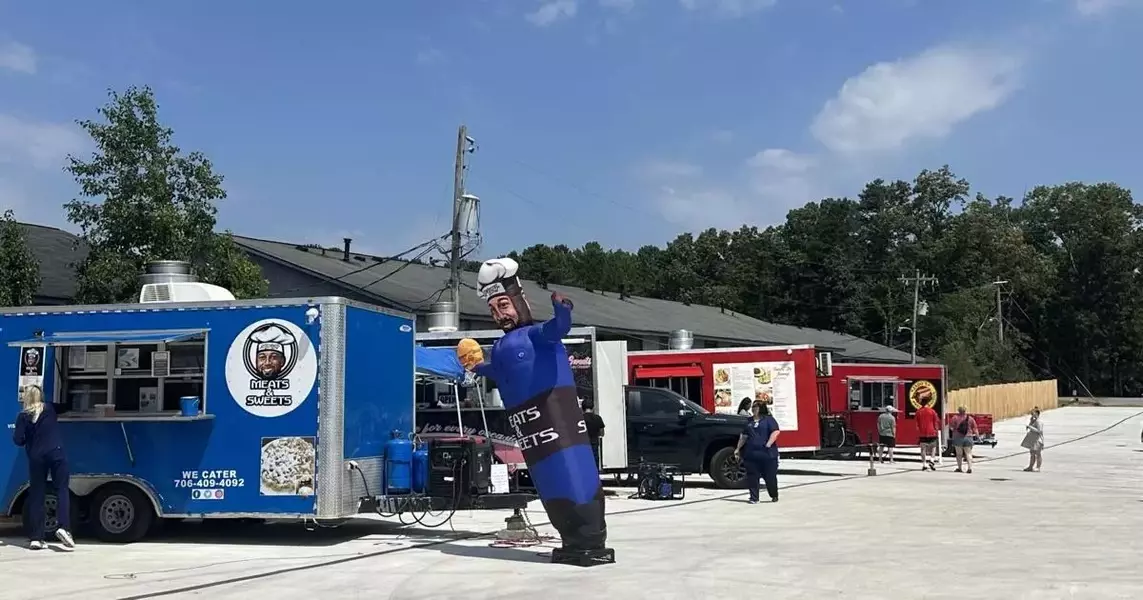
x,y
664,427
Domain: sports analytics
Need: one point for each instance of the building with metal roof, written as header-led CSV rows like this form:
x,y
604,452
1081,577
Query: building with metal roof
x,y
645,323
57,253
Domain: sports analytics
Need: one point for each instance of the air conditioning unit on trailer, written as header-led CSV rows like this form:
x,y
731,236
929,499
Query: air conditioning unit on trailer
x,y
183,292
172,281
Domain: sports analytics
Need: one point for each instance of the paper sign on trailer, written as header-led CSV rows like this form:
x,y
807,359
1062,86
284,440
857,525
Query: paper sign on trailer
x,y
770,382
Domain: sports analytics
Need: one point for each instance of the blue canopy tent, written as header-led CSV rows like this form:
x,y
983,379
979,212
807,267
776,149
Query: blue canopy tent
x,y
440,363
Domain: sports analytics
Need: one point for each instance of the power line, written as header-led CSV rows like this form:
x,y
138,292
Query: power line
x,y
342,278
917,280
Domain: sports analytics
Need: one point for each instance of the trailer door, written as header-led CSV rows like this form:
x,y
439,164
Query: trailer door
x,y
610,402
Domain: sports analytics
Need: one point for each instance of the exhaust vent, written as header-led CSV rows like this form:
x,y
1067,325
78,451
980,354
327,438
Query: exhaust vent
x,y
443,316
681,339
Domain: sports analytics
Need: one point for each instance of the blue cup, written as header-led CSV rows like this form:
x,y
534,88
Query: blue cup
x,y
189,406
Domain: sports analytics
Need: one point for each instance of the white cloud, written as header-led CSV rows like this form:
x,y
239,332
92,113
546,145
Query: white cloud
x,y
728,8
39,144
780,159
891,104
876,113
1096,8
553,11
15,56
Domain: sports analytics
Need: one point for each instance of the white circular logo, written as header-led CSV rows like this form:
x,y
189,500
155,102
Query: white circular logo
x,y
271,368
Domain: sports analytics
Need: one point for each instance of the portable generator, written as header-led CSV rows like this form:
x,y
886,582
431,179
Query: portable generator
x,y
459,468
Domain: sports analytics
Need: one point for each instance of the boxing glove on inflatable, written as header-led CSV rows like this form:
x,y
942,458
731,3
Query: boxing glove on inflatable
x,y
531,369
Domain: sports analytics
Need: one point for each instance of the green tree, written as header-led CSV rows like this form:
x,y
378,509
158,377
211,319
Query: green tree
x,y
19,271
143,199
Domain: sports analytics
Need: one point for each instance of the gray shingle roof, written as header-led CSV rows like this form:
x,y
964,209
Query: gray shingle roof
x,y
57,253
414,286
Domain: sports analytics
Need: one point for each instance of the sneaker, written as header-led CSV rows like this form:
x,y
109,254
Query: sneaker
x,y
959,470
924,467
65,538
774,499
752,502
969,471
37,545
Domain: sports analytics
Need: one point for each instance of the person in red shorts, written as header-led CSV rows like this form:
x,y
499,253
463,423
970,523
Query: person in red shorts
x,y
928,430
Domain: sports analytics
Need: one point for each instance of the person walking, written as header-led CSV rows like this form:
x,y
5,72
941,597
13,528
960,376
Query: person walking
x,y
1034,441
887,432
758,450
37,431
595,426
928,433
962,432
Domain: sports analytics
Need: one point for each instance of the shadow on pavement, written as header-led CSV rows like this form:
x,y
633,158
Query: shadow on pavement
x,y
227,532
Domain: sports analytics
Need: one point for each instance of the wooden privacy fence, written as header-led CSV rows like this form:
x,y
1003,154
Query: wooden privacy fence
x,y
1006,400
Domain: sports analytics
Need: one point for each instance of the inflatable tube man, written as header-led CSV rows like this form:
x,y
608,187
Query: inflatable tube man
x,y
530,367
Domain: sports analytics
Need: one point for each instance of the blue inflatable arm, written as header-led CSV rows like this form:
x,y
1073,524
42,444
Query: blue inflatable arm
x,y
555,329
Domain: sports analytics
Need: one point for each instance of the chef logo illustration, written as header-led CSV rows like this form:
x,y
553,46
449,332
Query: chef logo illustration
x,y
271,368
922,393
32,362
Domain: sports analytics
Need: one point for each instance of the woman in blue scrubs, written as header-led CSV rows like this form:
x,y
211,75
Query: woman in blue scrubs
x,y
758,449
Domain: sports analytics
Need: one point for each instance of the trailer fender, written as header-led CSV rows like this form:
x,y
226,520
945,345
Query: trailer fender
x,y
85,485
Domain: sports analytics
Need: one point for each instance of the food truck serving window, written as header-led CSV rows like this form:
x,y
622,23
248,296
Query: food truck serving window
x,y
871,395
140,373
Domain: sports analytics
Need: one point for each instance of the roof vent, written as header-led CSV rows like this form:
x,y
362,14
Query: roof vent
x,y
168,271
443,316
681,339
172,281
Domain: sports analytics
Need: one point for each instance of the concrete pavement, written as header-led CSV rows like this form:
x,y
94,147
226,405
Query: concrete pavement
x,y
1070,531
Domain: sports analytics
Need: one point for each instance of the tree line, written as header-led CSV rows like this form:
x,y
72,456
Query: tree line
x,y
1064,259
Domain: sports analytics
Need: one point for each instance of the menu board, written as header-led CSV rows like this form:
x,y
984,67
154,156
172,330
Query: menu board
x,y
769,382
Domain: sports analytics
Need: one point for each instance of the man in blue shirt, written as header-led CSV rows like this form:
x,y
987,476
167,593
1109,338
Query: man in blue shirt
x,y
758,450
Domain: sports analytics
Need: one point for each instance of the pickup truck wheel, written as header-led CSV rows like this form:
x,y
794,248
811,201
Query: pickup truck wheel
x,y
727,473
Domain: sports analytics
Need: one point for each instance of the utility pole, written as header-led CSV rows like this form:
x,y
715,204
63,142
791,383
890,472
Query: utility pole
x,y
463,147
999,310
917,279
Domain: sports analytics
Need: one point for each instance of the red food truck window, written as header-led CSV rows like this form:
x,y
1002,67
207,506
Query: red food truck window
x,y
871,395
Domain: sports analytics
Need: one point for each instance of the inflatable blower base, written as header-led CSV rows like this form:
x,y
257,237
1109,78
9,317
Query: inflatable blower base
x,y
583,558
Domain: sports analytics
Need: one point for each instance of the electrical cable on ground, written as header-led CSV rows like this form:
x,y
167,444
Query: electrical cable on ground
x,y
474,536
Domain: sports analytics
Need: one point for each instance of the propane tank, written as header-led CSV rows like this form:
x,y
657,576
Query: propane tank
x,y
398,464
420,467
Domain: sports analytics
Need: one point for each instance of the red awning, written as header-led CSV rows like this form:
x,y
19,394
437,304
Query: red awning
x,y
666,372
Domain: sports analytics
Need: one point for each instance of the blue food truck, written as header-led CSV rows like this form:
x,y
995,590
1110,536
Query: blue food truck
x,y
257,409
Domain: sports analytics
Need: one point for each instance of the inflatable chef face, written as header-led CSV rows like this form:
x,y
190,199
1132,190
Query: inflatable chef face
x,y
498,285
270,343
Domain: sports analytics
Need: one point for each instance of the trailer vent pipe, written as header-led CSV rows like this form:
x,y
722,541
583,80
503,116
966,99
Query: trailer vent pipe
x,y
443,316
168,271
681,339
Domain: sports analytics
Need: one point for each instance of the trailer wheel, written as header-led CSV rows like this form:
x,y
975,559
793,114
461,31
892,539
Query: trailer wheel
x,y
727,473
121,514
51,505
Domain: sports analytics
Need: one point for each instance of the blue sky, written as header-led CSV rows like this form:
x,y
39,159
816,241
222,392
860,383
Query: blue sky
x,y
622,121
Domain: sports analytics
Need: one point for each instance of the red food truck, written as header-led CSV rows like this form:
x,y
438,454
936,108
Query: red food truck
x,y
722,379
856,393
824,408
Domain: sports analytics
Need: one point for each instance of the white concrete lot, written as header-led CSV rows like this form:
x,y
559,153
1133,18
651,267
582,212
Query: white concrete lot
x,y
1071,531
